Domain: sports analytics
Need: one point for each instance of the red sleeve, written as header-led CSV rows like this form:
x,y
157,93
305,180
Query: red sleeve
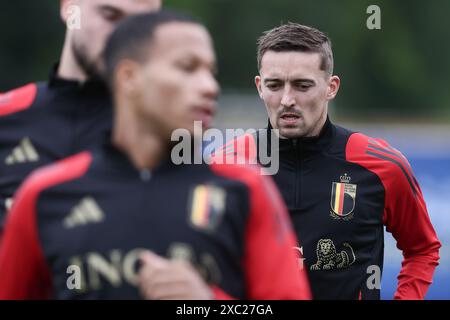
x,y
270,261
24,273
243,147
18,99
219,294
405,213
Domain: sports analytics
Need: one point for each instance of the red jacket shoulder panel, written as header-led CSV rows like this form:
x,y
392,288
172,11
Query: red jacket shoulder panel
x,y
389,164
243,147
18,99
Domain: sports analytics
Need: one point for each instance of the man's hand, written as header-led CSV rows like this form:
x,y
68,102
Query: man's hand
x,y
163,279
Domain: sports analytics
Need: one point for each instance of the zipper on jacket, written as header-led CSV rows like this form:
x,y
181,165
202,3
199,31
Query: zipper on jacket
x,y
297,182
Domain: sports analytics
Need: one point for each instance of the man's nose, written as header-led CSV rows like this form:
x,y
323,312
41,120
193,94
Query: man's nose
x,y
288,99
209,85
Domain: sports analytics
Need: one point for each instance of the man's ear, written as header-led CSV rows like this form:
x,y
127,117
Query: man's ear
x,y
333,87
126,77
65,8
258,84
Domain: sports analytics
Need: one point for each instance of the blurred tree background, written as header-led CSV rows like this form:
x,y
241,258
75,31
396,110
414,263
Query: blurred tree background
x,y
401,71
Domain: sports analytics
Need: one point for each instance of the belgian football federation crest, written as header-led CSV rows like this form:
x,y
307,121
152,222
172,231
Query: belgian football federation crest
x,y
207,207
343,197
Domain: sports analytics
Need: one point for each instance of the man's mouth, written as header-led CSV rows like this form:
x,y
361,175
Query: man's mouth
x,y
204,114
289,118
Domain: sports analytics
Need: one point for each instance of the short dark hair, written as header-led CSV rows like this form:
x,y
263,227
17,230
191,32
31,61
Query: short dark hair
x,y
134,36
297,37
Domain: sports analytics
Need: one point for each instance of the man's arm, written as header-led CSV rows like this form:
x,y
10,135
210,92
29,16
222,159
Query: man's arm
x,y
405,213
11,102
406,217
24,273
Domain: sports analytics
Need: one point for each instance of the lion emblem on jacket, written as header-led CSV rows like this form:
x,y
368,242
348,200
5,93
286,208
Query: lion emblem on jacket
x,y
328,258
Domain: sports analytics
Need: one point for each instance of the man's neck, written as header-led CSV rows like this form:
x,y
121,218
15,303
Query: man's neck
x,y
145,148
145,153
68,67
319,127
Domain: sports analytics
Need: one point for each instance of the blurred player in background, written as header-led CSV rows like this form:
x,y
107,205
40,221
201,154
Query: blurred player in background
x,y
341,187
201,231
47,121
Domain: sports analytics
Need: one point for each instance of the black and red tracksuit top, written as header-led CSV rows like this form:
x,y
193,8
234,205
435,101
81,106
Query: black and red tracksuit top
x,y
342,188
48,121
96,212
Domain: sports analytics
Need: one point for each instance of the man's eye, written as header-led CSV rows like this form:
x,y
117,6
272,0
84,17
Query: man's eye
x,y
111,15
187,67
303,87
273,86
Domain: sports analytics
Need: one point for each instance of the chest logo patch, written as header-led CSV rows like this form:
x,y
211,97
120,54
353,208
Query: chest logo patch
x,y
207,207
24,152
328,258
87,211
343,197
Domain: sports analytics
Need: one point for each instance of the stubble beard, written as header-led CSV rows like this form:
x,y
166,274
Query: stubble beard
x,y
90,67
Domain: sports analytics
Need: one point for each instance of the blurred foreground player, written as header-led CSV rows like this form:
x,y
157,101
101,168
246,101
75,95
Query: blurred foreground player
x,y
47,121
97,214
341,187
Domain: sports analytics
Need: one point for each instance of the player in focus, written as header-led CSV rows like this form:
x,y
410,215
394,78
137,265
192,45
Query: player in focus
x,y
341,187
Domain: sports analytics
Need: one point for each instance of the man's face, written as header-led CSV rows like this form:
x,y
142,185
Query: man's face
x,y
296,92
98,19
176,86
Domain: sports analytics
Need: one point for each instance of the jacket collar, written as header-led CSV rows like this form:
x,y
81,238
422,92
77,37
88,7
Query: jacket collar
x,y
96,86
309,145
